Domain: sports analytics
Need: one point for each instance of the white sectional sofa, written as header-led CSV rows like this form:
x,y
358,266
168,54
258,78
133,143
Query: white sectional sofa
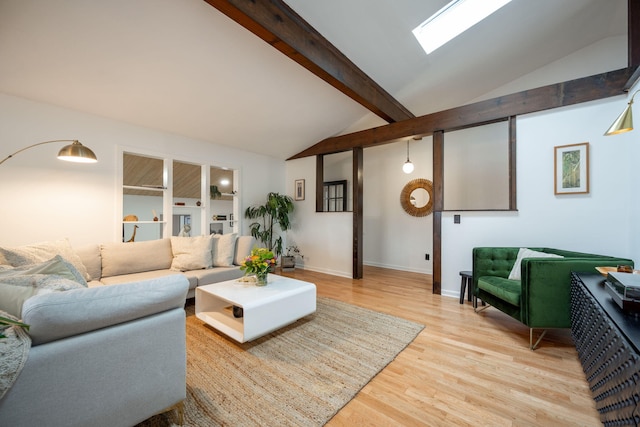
x,y
107,355
116,263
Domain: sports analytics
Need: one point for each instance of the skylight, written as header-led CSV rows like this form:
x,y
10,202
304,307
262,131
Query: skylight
x,y
452,20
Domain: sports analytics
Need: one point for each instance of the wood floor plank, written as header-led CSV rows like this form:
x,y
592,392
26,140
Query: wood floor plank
x,y
464,368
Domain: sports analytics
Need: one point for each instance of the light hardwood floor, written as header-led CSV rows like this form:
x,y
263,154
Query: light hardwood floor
x,y
464,368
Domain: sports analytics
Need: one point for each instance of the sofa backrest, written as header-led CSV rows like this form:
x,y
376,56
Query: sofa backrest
x,y
92,260
244,244
135,257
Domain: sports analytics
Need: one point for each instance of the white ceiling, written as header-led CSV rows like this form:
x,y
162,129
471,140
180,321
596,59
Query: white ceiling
x,y
183,67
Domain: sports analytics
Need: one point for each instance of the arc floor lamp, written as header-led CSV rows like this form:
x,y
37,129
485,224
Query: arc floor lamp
x,y
74,152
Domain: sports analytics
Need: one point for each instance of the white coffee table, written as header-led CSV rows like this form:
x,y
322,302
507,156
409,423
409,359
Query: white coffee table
x,y
266,308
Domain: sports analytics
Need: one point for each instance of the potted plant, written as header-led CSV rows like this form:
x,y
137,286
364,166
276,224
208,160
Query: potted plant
x,y
289,260
274,212
214,192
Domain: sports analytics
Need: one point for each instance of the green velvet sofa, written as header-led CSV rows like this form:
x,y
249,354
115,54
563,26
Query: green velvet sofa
x,y
540,299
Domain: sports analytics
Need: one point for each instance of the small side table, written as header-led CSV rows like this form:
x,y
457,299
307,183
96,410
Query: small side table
x,y
466,282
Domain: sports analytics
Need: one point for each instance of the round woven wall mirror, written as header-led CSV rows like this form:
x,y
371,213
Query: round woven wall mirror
x,y
416,197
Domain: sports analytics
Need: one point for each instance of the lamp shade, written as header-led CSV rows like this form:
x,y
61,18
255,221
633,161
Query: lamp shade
x,y
407,167
76,152
624,122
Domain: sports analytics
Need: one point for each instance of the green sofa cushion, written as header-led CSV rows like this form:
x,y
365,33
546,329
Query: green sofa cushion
x,y
506,289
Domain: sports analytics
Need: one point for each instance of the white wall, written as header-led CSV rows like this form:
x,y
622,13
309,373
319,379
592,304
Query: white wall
x,y
598,222
44,198
324,238
392,238
603,221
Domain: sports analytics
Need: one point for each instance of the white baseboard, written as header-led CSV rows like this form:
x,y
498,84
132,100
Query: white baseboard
x,y
398,267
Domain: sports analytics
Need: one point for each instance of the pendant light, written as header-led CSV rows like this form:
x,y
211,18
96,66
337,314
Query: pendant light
x,y
408,166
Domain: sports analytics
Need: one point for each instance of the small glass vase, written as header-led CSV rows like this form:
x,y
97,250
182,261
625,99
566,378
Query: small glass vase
x,y
261,279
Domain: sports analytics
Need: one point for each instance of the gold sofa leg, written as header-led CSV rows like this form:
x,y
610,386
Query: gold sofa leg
x,y
534,346
479,309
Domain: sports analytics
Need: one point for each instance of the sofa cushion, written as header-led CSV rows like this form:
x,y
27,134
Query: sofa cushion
x,y
21,283
91,259
55,266
40,252
527,253
126,258
244,244
214,275
223,249
191,253
63,314
506,289
145,275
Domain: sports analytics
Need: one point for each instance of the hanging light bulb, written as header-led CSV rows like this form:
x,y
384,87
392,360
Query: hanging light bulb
x,y
408,166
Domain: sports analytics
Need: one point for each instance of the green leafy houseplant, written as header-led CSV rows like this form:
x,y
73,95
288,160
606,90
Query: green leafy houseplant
x,y
214,192
6,321
274,212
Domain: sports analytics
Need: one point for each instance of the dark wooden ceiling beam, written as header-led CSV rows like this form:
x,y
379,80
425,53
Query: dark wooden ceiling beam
x,y
280,26
544,98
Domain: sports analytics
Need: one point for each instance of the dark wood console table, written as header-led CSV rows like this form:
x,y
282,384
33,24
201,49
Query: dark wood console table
x,y
607,340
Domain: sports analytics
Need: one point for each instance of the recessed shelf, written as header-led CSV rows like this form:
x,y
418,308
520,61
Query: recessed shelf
x,y
144,187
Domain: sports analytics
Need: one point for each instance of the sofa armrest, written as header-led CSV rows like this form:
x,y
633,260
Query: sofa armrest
x,y
58,315
545,298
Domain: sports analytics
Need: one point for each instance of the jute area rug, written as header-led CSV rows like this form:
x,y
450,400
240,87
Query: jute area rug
x,y
300,375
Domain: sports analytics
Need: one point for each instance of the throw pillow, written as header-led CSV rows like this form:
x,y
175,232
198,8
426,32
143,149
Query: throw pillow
x,y
43,251
135,257
55,266
191,253
224,247
15,290
527,253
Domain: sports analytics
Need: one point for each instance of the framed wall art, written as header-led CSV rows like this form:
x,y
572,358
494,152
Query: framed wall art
x,y
571,166
299,189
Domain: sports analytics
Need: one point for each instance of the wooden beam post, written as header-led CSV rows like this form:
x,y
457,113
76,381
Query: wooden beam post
x,y
438,206
358,212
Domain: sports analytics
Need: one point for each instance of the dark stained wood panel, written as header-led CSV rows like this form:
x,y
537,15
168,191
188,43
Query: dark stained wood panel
x,y
438,207
633,44
513,203
280,26
358,212
544,98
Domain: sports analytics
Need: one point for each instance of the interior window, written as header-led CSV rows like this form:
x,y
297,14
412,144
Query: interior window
x,y
476,168
337,173
165,197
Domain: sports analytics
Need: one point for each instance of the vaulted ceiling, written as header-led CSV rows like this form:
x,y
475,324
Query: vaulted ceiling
x,y
186,68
